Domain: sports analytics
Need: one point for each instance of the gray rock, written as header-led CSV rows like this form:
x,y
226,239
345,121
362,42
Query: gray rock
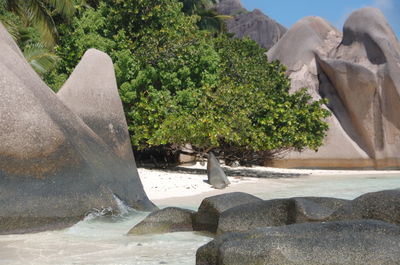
x,y
277,213
91,92
366,242
229,7
216,176
167,220
315,209
210,209
254,25
256,214
53,167
382,205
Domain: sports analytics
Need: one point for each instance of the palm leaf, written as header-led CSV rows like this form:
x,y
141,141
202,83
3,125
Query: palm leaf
x,y
37,14
65,8
40,14
11,27
40,58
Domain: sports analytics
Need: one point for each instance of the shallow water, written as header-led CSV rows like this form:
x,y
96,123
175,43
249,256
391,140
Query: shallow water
x,y
103,240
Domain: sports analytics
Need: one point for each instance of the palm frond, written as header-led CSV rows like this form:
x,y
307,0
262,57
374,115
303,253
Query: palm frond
x,y
11,27
39,15
65,8
40,58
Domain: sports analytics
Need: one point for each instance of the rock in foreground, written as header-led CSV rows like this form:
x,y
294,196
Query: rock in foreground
x,y
210,209
366,242
277,213
382,205
167,220
54,168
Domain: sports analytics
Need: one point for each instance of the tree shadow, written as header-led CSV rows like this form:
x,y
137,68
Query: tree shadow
x,y
232,172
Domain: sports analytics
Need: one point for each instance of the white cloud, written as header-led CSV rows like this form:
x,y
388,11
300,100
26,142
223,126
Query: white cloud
x,y
383,4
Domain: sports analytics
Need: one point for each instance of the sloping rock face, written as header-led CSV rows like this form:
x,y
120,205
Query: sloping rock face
x,y
359,73
366,242
229,7
255,24
53,167
91,92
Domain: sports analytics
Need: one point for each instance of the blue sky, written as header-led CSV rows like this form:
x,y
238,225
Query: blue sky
x,y
288,12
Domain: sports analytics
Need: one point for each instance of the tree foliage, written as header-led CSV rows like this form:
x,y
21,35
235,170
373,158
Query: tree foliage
x,y
29,39
180,84
40,13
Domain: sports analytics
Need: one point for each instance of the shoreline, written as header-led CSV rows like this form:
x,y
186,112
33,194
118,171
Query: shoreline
x,y
186,185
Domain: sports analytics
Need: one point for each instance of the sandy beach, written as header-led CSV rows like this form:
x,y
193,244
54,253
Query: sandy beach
x,y
187,185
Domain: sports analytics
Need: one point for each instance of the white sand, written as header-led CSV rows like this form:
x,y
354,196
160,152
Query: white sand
x,y
170,185
162,184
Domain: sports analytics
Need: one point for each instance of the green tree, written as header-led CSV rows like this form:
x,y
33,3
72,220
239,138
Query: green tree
x,y
249,114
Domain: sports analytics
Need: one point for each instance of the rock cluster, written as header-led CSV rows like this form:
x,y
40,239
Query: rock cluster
x,y
366,242
300,230
308,230
358,72
61,155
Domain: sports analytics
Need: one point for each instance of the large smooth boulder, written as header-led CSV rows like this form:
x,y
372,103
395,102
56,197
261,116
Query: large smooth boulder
x,y
366,242
53,167
91,92
216,175
367,63
382,205
167,220
277,212
359,74
211,208
254,25
312,35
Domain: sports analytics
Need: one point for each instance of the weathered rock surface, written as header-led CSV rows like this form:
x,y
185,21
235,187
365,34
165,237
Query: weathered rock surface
x,y
277,212
91,92
230,7
210,209
382,205
53,167
366,242
167,220
255,24
216,175
315,209
359,74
